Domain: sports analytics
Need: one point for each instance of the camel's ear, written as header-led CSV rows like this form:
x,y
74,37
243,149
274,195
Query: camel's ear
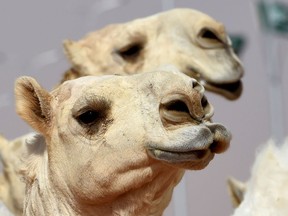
x,y
70,74
76,53
33,104
236,190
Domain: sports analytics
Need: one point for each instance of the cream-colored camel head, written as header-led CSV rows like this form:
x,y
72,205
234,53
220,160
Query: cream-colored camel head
x,y
194,42
266,192
115,145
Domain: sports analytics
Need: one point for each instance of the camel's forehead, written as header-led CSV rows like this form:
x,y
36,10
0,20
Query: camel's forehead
x,y
183,14
182,18
172,16
110,85
76,87
163,73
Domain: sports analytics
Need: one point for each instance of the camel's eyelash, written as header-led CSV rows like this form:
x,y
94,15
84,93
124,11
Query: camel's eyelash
x,y
95,110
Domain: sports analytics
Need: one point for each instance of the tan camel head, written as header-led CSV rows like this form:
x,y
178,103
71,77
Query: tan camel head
x,y
192,41
107,136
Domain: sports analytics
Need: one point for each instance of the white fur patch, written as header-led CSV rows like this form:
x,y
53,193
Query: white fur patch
x,y
4,210
267,190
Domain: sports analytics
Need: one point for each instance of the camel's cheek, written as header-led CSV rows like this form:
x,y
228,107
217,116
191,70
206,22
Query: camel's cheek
x,y
99,169
104,176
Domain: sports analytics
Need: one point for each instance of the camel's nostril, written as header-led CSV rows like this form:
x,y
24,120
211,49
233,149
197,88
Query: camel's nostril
x,y
206,105
175,109
207,108
197,86
181,108
178,106
204,102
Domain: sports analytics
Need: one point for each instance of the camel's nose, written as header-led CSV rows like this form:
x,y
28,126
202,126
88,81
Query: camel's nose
x,y
189,106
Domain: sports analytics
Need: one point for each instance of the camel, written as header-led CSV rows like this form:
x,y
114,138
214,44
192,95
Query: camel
x,y
265,193
12,189
200,48
191,40
114,145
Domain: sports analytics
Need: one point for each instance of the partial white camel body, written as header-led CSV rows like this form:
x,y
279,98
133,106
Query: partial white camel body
x,y
4,211
266,192
192,41
10,183
114,145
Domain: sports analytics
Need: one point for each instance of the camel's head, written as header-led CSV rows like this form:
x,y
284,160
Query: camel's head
x,y
194,42
103,132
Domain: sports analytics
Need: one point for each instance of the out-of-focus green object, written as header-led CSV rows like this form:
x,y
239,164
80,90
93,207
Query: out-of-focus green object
x,y
274,16
238,43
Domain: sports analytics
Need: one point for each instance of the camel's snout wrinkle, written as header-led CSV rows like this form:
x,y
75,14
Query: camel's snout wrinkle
x,y
190,106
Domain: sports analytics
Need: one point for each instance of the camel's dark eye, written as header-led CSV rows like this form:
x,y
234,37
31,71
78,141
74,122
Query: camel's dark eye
x,y
91,111
131,51
209,38
209,35
88,117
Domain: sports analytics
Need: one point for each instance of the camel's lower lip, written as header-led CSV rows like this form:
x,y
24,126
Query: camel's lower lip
x,y
180,157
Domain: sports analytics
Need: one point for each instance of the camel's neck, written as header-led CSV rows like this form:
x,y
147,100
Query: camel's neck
x,y
150,198
42,198
44,201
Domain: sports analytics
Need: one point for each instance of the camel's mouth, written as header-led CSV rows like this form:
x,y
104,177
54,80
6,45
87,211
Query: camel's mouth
x,y
230,90
195,159
176,156
231,87
193,148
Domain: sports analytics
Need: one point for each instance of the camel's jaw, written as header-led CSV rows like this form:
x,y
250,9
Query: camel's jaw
x,y
196,159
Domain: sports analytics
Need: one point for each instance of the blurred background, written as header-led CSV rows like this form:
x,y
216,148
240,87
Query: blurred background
x,y
31,36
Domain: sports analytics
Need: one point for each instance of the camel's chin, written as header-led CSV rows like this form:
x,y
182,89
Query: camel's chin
x,y
231,91
194,160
